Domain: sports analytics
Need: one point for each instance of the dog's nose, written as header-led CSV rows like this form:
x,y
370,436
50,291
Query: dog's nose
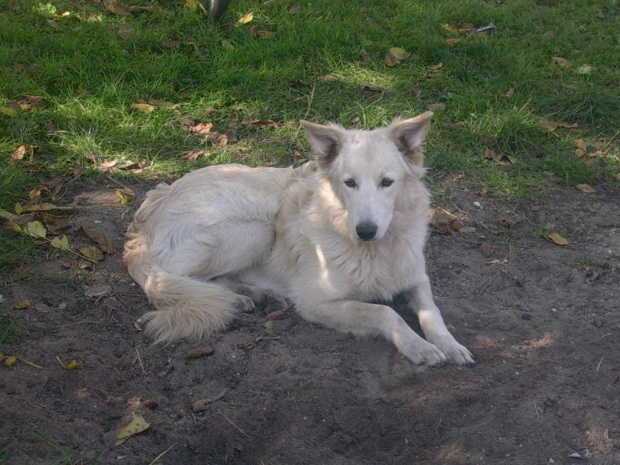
x,y
366,230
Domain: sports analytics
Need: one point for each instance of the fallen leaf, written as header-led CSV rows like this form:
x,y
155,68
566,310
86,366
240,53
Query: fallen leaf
x,y
198,352
328,78
437,66
580,144
116,9
453,41
549,33
557,239
552,126
294,8
441,221
585,69
586,188
107,164
21,304
125,194
579,153
144,107
92,252
55,224
41,207
436,106
364,54
98,291
253,31
35,229
22,151
562,62
30,102
137,425
487,249
61,242
10,112
192,155
227,44
100,238
266,34
508,94
508,220
70,366
203,404
83,265
124,32
484,191
10,361
171,43
164,104
245,19
394,56
200,128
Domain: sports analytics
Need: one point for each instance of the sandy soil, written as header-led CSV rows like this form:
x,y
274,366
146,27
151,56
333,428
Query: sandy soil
x,y
542,321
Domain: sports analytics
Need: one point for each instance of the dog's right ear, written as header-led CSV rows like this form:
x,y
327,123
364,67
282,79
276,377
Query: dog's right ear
x,y
326,141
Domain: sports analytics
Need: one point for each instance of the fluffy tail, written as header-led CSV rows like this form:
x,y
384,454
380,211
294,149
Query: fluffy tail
x,y
186,307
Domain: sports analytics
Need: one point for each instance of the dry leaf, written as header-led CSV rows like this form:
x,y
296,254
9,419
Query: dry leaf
x,y
198,352
137,425
487,249
192,155
328,78
70,366
92,252
585,69
436,106
144,107
245,19
394,56
30,102
21,304
61,242
10,112
22,151
437,66
10,361
294,8
116,9
364,54
508,220
581,144
586,188
552,126
164,104
266,34
125,194
171,43
562,62
124,32
100,238
509,93
35,229
106,165
557,239
452,41
55,224
200,128
202,404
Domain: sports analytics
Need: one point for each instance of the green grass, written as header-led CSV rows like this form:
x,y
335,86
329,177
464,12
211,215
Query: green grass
x,y
221,74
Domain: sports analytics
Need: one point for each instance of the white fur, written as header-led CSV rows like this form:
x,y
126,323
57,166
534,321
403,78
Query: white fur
x,y
205,244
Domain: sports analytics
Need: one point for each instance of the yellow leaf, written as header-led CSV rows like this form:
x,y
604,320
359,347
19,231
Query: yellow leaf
x,y
394,55
92,252
21,304
557,239
245,19
144,107
164,104
195,5
10,112
617,176
136,426
61,242
70,366
125,194
35,229
437,66
10,361
100,238
586,188
18,209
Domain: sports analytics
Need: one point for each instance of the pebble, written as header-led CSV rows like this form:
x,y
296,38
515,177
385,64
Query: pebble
x,y
526,316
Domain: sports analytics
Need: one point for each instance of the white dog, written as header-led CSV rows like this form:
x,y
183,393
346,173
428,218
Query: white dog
x,y
329,239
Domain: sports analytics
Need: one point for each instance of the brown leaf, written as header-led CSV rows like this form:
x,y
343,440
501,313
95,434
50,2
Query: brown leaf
x,y
586,188
99,237
294,8
171,43
261,123
437,66
328,78
115,8
579,153
453,41
107,164
22,151
198,352
364,54
581,144
202,404
217,138
508,220
266,34
55,224
417,90
508,94
30,102
440,221
562,62
124,32
253,31
557,239
487,249
125,194
200,128
192,155
92,252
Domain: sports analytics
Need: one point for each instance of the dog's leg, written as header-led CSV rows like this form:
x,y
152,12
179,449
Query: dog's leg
x,y
363,319
422,303
259,295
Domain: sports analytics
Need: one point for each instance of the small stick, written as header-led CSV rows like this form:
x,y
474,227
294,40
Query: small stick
x,y
140,361
28,363
599,363
156,459
229,421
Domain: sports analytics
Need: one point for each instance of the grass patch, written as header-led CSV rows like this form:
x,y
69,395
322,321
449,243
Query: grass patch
x,y
219,73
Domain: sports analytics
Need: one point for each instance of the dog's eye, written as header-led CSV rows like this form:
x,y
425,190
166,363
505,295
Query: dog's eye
x,y
386,182
350,183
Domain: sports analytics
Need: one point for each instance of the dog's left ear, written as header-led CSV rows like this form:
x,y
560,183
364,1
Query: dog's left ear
x,y
326,141
409,135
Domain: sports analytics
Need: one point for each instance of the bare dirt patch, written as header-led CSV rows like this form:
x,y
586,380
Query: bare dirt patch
x,y
542,321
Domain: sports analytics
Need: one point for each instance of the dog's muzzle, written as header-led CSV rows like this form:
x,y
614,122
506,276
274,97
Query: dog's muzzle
x,y
366,230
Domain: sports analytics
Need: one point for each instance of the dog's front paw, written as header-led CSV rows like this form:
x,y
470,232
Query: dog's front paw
x,y
424,353
245,304
455,352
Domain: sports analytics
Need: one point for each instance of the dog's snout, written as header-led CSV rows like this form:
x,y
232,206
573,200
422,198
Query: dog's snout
x,y
366,230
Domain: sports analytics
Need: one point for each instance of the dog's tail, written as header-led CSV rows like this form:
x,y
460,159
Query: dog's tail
x,y
185,307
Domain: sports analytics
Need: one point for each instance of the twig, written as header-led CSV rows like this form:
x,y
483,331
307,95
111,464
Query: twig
x,y
230,421
536,410
28,363
599,363
162,454
140,361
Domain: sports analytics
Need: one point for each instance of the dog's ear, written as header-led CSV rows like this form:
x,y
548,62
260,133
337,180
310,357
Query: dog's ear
x,y
408,135
326,141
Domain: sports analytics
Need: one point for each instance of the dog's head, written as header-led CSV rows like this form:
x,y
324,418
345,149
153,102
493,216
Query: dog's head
x,y
368,170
